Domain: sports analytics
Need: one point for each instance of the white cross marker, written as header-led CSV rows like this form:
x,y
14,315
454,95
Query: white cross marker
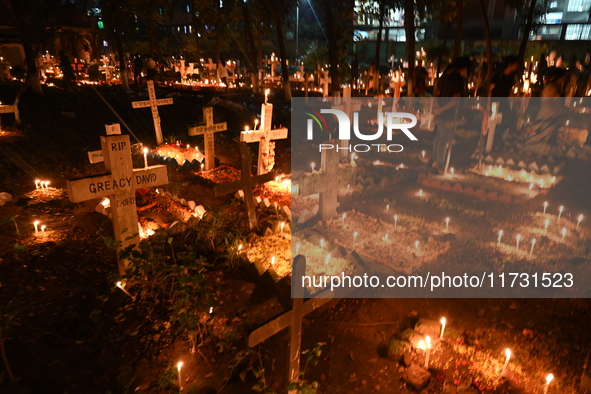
x,y
153,103
208,131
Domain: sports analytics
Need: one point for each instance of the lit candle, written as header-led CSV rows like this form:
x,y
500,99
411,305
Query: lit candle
x,y
178,367
327,259
282,225
297,248
508,357
500,237
545,206
563,233
145,157
313,165
211,310
272,261
443,322
559,213
121,286
239,248
266,95
43,229
531,250
344,216
37,184
202,165
423,153
546,223
395,222
447,224
387,208
579,220
428,345
256,124
416,244
549,379
452,172
35,223
421,193
518,237
322,243
531,187
354,237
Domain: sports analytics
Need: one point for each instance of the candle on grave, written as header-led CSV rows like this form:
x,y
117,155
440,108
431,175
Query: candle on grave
x,y
546,223
327,259
35,223
518,237
37,184
395,222
579,220
563,233
256,124
210,310
447,224
344,216
273,261
531,250
266,95
387,208
549,379
145,157
443,322
416,244
282,225
421,193
559,213
531,187
508,357
354,238
322,244
43,229
239,248
423,153
202,165
428,345
297,248
178,367
121,286
545,206
452,171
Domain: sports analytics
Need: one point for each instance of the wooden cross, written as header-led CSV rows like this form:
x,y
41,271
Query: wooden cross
x,y
427,117
495,119
291,319
324,81
153,103
264,135
327,182
9,109
208,131
119,184
246,185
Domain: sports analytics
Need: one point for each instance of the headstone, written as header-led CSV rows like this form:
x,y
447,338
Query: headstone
x,y
119,184
246,185
153,103
327,182
208,131
265,136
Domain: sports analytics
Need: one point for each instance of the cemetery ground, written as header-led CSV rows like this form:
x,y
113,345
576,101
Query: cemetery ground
x,y
66,327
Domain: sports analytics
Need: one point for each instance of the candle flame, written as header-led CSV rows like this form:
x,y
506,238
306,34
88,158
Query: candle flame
x,y
179,365
508,353
549,378
443,321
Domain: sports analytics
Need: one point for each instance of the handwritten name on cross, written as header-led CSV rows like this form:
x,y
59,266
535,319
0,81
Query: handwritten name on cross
x,y
153,103
208,131
264,135
119,184
327,182
246,185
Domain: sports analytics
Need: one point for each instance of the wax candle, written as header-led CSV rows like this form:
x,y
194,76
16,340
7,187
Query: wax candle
x,y
428,344
508,357
395,222
327,259
443,322
531,250
273,261
282,225
416,244
145,157
559,213
546,223
43,229
500,237
447,224
35,223
549,379
387,208
563,233
518,237
178,367
313,165
37,184
579,220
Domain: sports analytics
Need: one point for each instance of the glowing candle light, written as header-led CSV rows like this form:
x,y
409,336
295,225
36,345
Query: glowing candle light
x,y
579,220
518,237
327,259
354,238
559,213
202,165
549,379
428,345
531,250
282,225
239,247
545,206
344,216
395,222
421,193
273,261
423,153
443,322
546,223
298,248
43,229
246,129
256,124
37,184
178,367
447,224
452,171
121,286
531,187
35,223
387,208
313,165
563,233
266,95
322,243
416,244
211,310
145,157
508,357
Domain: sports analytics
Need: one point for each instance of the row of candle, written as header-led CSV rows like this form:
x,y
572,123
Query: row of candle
x,y
508,174
37,228
43,185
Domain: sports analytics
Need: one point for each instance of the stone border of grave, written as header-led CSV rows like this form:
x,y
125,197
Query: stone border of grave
x,y
427,181
169,161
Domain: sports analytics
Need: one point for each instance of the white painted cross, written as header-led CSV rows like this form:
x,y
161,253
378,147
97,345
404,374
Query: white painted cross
x,y
208,131
495,119
119,185
324,81
153,103
265,136
327,182
97,155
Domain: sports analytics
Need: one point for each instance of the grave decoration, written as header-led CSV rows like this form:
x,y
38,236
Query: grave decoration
x,y
265,136
119,185
177,154
153,104
208,131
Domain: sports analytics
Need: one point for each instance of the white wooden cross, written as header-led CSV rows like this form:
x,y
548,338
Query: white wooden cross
x,y
324,81
427,117
153,103
327,182
246,185
208,131
495,119
97,155
264,136
119,185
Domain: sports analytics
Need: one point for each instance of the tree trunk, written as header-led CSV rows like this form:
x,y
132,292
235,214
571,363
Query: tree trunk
x,y
332,48
409,28
489,55
122,64
195,31
526,30
154,47
378,45
282,55
32,74
459,26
